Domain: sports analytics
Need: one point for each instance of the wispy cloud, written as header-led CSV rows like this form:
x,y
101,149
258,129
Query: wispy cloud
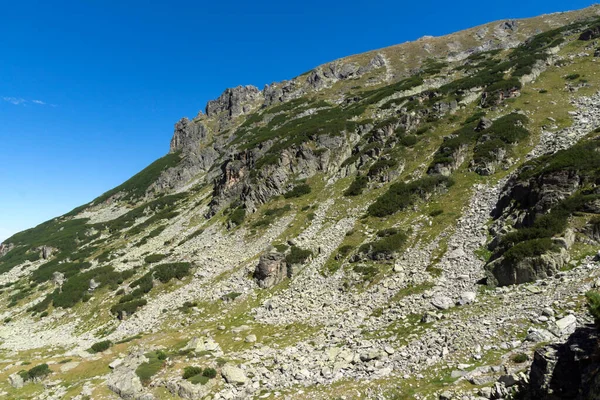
x,y
19,101
15,100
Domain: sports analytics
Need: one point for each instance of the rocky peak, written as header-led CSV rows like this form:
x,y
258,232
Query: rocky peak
x,y
235,101
187,135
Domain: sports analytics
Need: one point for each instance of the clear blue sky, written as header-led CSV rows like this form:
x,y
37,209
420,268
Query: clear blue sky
x,y
90,90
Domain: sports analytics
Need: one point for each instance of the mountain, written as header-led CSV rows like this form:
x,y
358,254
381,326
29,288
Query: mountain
x,y
412,222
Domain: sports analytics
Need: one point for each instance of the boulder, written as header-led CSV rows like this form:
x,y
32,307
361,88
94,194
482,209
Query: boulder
x,y
442,302
590,34
467,298
233,374
568,370
564,326
271,270
16,380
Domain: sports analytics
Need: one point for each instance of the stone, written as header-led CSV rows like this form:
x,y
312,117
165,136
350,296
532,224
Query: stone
x,y
442,302
564,326
539,335
250,339
16,381
233,374
467,298
271,270
115,363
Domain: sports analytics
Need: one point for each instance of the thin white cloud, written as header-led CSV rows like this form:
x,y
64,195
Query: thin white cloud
x,y
19,101
15,100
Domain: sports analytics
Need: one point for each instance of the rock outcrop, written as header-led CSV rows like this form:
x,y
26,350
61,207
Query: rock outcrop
x,y
271,269
569,370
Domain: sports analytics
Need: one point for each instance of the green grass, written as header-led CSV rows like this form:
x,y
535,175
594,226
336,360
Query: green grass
x,y
148,369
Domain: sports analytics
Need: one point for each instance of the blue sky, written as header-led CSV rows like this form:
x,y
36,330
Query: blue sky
x,y
90,90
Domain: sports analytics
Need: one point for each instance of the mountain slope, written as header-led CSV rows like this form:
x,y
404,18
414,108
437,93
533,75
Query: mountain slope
x,y
350,232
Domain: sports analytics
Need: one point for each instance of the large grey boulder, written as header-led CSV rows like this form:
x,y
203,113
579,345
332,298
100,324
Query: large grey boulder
x,y
16,380
233,374
271,270
124,381
501,272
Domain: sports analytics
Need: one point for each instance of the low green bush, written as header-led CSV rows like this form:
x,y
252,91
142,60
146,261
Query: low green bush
x,y
298,191
238,216
593,305
99,347
188,372
386,246
199,379
530,248
166,272
519,358
37,372
297,255
402,195
154,258
357,186
209,373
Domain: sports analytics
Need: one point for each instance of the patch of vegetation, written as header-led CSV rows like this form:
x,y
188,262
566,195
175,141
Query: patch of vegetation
x,y
237,216
99,347
297,255
166,272
390,242
519,358
593,305
298,191
148,369
154,258
37,372
402,195
529,248
188,372
357,186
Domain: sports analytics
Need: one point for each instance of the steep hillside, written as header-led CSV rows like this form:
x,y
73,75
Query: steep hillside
x,y
411,222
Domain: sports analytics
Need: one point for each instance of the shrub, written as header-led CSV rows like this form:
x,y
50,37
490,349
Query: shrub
x,y
401,195
436,212
153,258
530,248
298,191
166,272
188,372
572,77
237,216
386,246
408,140
101,346
209,372
380,166
357,186
37,372
282,247
593,305
519,358
345,250
130,307
297,255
